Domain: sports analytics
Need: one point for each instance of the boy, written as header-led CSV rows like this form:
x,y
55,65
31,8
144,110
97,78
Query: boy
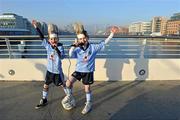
x,y
85,53
55,53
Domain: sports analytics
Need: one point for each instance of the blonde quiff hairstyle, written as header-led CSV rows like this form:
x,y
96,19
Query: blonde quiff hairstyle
x,y
79,29
52,29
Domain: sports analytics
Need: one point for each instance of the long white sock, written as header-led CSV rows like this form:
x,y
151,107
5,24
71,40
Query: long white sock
x,y
65,90
45,94
88,97
69,91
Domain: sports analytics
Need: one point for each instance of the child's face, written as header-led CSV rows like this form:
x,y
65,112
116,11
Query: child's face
x,y
82,38
53,41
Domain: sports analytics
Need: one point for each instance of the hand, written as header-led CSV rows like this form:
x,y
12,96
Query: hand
x,y
75,44
53,44
55,47
114,29
34,23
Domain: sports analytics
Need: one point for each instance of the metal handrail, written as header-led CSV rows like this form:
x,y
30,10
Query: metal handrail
x,y
95,36
135,47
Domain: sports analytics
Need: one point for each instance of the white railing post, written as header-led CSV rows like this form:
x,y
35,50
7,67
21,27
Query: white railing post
x,y
8,47
143,48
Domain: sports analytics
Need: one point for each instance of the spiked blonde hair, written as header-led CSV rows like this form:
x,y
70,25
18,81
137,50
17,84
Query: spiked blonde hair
x,y
52,29
79,29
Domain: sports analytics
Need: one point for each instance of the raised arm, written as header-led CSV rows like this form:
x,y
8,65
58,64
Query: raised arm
x,y
34,23
113,31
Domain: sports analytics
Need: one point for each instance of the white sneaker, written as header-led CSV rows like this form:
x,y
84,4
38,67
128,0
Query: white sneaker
x,y
68,102
65,99
87,108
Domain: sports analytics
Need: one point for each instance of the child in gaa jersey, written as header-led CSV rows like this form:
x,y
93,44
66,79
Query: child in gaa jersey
x,y
85,53
55,53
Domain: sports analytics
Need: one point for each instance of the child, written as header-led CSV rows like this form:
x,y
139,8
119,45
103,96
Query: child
x,y
55,53
85,53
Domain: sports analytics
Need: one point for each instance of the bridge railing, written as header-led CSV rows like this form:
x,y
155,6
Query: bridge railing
x,y
119,47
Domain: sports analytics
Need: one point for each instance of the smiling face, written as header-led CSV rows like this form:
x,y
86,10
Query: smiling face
x,y
82,39
53,39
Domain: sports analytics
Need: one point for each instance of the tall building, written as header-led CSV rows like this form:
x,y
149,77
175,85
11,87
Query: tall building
x,y
173,25
140,28
145,28
135,28
10,20
159,25
163,27
12,24
176,16
44,28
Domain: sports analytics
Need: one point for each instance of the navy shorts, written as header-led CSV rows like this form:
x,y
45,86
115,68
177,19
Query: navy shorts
x,y
57,79
87,78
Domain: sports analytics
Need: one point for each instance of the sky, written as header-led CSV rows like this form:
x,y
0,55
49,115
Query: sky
x,y
91,12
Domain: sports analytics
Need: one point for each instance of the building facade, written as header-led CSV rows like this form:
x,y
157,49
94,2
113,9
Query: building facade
x,y
135,28
145,28
173,27
140,28
176,16
10,20
12,24
159,25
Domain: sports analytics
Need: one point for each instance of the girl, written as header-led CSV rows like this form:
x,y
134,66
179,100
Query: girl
x,y
85,53
55,53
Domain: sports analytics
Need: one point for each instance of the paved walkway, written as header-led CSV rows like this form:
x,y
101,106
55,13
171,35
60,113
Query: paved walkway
x,y
148,100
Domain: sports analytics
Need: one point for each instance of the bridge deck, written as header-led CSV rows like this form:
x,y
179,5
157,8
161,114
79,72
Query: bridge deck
x,y
135,100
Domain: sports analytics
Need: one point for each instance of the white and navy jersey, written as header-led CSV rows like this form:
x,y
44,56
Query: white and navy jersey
x,y
54,57
86,57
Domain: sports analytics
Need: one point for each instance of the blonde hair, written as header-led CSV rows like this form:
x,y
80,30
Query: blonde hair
x,y
79,29
52,29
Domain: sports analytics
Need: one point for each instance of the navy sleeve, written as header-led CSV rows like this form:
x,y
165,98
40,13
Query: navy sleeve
x,y
40,33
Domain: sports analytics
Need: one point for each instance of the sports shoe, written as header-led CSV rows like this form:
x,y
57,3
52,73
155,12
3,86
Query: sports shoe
x,y
68,102
87,108
42,103
65,99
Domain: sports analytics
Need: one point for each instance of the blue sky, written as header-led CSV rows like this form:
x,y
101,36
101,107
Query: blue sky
x,y
91,12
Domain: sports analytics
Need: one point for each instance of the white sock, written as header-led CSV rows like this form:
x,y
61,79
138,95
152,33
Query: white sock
x,y
45,94
69,91
88,97
65,90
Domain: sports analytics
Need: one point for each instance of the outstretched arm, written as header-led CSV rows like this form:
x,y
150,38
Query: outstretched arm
x,y
34,23
109,38
113,31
